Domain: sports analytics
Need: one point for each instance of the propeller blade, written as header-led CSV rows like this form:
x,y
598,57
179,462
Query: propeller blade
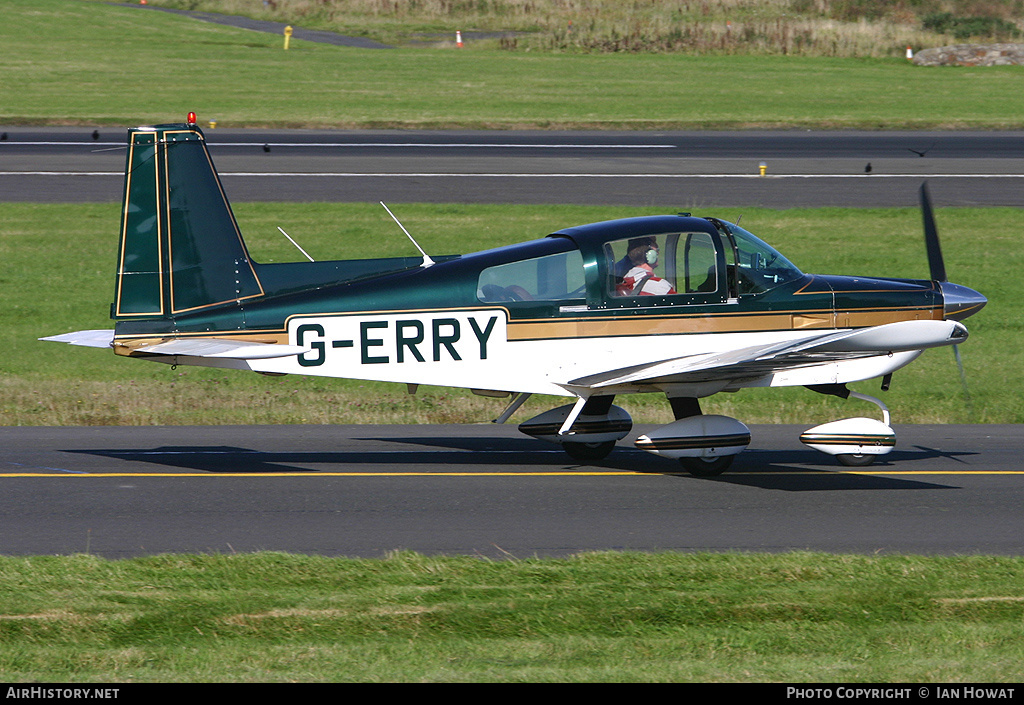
x,y
931,238
963,381
937,267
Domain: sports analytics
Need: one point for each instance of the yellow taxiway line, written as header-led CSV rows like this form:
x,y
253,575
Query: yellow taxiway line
x,y
557,473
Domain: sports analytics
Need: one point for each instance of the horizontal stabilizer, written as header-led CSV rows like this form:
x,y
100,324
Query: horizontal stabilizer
x,y
87,338
192,347
222,348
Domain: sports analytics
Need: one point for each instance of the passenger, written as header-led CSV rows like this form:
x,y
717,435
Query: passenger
x,y
635,272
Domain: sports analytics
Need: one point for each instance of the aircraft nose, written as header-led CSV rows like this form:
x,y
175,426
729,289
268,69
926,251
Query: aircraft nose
x,y
959,302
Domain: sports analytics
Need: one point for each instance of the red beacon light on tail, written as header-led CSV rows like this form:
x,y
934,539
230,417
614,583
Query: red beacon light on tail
x,y
191,118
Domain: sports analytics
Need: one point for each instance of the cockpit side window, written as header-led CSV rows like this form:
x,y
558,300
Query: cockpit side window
x,y
549,278
671,264
698,271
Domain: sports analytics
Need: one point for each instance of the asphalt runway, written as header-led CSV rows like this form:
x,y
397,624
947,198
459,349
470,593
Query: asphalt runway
x,y
678,170
488,490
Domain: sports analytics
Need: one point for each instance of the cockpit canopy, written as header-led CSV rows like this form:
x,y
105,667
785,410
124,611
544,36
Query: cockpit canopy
x,y
643,261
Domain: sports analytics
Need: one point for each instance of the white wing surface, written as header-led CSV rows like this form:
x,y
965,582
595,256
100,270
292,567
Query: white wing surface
x,y
759,360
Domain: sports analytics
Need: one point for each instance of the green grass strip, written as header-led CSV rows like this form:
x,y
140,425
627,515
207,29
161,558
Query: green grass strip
x,y
603,617
74,62
51,288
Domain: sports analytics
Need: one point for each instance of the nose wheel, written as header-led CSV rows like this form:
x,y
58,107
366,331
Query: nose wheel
x,y
856,442
852,460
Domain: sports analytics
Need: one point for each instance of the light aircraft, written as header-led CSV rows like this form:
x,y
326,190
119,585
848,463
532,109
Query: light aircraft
x,y
678,305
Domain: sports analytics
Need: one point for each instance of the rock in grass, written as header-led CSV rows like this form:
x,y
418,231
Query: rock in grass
x,y
972,55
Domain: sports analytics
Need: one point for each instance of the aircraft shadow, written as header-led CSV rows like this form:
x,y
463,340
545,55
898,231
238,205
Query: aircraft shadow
x,y
797,470
805,470
233,459
794,470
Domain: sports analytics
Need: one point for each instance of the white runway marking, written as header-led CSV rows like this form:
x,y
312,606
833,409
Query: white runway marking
x,y
349,145
775,177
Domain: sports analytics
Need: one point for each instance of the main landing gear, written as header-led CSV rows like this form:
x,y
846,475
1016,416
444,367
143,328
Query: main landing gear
x,y
704,444
587,430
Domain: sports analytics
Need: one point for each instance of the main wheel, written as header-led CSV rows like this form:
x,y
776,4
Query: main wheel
x,y
706,467
588,451
856,461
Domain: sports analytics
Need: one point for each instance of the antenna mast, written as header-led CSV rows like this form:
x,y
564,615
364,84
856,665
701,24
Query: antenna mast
x,y
295,243
427,262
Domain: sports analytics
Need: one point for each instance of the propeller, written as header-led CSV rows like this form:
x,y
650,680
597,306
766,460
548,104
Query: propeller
x,y
937,269
936,265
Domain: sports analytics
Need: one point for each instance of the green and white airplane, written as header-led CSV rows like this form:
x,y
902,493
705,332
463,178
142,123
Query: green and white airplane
x,y
679,305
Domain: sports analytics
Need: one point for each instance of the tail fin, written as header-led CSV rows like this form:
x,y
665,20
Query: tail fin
x,y
180,247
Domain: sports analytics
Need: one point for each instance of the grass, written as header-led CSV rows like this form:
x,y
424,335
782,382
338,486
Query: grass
x,y
47,292
75,62
849,28
604,617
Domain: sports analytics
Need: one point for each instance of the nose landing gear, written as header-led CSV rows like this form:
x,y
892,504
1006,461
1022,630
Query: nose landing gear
x,y
855,442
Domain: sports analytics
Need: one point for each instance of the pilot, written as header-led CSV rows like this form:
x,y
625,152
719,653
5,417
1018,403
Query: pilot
x,y
634,273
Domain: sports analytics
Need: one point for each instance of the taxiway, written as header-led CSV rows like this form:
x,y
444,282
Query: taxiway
x,y
487,490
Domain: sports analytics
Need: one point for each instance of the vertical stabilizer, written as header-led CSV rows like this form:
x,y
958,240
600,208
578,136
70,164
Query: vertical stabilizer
x,y
180,247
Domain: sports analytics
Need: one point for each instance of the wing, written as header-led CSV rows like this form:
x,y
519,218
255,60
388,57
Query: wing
x,y
759,360
222,348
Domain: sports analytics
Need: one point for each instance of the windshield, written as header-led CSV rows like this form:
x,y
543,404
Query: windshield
x,y
760,266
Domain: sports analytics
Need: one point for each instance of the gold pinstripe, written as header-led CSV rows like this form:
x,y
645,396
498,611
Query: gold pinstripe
x,y
599,327
124,226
